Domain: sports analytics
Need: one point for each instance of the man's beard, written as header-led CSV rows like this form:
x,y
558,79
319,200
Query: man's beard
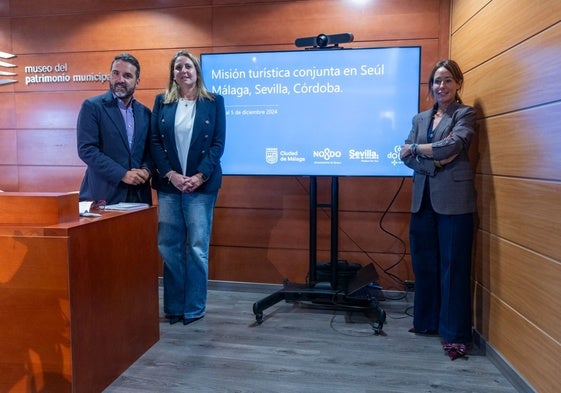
x,y
123,92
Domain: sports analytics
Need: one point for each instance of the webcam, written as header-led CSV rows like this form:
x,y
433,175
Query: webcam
x,y
323,41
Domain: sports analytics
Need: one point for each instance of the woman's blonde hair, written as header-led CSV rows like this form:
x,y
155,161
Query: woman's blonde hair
x,y
172,91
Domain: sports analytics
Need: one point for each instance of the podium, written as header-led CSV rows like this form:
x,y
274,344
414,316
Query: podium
x,y
78,296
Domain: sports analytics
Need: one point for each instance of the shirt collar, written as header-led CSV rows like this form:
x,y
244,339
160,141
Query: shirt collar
x,y
120,102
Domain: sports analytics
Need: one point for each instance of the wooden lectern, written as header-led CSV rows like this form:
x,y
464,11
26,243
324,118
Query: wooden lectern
x,y
78,296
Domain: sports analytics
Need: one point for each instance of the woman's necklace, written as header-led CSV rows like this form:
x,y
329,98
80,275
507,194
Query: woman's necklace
x,y
187,102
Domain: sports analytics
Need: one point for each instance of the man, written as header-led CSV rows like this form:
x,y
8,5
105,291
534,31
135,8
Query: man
x,y
113,139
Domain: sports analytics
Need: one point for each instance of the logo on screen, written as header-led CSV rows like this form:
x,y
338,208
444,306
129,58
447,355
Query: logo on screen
x,y
394,155
326,154
271,155
367,155
5,65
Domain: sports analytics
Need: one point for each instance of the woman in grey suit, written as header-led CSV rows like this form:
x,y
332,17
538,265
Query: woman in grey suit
x,y
443,206
187,142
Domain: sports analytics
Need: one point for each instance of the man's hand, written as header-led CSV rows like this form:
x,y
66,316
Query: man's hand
x,y
135,176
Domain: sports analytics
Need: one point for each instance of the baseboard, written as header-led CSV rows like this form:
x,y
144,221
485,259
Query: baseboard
x,y
509,372
238,286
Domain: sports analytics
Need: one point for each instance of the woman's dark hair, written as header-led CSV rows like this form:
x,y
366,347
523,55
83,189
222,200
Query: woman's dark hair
x,y
456,72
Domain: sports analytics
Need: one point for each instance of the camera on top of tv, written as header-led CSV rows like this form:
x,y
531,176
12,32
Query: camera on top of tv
x,y
323,41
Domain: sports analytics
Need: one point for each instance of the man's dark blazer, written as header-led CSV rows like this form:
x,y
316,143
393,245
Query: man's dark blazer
x,y
205,151
451,187
104,147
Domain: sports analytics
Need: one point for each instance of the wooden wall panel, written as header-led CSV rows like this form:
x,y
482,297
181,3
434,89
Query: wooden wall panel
x,y
135,30
9,178
358,231
513,272
531,352
264,192
4,7
518,277
274,265
48,148
8,147
7,109
526,212
49,178
375,194
532,136
5,38
262,228
49,110
368,22
260,265
35,8
512,80
463,11
362,231
355,193
471,46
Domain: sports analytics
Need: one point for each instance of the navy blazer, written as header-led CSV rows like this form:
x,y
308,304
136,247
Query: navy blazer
x,y
205,150
104,147
452,188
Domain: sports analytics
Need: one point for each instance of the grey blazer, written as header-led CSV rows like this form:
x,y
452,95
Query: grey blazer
x,y
451,187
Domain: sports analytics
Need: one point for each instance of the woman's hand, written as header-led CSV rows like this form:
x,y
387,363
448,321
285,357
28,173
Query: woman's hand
x,y
448,160
405,151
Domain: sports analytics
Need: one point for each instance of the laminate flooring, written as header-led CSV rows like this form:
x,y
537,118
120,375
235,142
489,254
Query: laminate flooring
x,y
300,348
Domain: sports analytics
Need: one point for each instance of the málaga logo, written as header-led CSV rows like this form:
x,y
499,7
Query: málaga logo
x,y
271,155
5,75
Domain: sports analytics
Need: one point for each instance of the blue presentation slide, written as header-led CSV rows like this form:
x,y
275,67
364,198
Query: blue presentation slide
x,y
324,112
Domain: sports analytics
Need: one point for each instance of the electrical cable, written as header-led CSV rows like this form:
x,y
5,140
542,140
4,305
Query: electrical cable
x,y
387,270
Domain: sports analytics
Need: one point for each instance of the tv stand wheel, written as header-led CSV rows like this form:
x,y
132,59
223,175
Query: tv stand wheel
x,y
259,318
377,327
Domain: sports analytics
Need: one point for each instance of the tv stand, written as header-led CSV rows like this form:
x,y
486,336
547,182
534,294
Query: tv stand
x,y
327,294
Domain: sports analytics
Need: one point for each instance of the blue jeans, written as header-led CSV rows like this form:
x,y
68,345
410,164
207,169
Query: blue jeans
x,y
184,229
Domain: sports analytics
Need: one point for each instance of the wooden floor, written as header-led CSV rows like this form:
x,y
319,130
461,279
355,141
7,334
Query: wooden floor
x,y
300,349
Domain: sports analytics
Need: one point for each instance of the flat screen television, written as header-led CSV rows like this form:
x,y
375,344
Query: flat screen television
x,y
319,112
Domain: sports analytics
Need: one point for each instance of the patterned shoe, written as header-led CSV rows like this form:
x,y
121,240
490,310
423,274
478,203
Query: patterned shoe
x,y
454,350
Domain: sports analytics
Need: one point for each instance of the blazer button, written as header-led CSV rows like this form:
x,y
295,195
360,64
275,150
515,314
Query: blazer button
x,y
207,122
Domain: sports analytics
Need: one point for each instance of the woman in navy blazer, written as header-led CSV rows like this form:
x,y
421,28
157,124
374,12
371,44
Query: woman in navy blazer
x,y
187,142
443,205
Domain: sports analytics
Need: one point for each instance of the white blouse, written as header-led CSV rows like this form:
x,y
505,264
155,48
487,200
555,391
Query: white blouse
x,y
184,118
